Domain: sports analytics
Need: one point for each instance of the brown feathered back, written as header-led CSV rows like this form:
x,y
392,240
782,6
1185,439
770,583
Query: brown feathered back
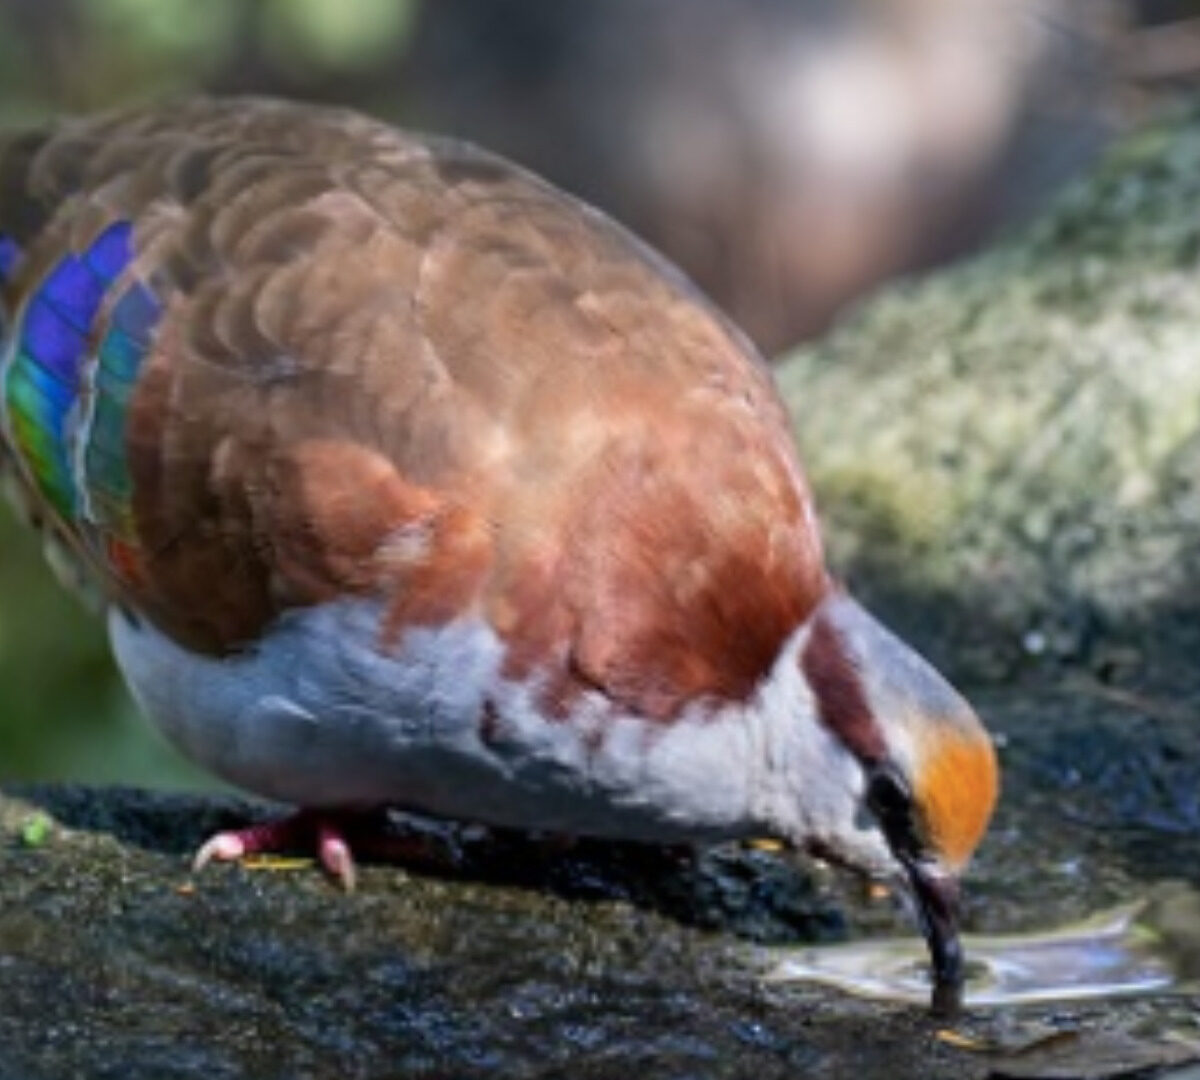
x,y
375,364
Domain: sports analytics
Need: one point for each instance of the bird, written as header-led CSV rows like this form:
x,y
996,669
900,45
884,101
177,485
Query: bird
x,y
406,480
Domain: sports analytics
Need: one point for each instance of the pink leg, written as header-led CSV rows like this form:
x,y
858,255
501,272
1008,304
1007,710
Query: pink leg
x,y
301,831
334,836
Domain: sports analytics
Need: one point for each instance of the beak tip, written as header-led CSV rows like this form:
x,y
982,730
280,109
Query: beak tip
x,y
937,905
946,1000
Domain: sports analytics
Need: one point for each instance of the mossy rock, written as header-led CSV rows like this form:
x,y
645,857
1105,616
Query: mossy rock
x,y
1017,440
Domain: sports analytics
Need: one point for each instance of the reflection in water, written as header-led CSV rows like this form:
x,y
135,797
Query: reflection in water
x,y
1140,948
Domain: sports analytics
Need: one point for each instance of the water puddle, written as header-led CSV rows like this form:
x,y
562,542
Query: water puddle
x,y
1145,947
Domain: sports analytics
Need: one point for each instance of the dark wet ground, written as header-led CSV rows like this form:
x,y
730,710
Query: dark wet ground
x,y
505,957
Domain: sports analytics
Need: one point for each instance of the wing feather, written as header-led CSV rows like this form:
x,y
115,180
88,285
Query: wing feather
x,y
306,355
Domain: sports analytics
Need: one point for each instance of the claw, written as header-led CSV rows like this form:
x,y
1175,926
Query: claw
x,y
301,830
222,846
328,834
335,855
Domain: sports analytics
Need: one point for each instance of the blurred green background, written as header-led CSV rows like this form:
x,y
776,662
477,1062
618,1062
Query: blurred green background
x,y
789,154
82,55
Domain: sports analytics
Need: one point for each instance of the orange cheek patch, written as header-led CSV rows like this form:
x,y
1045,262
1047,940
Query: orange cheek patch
x,y
957,790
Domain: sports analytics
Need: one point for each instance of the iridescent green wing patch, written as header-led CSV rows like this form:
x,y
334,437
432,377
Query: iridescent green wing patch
x,y
118,363
67,374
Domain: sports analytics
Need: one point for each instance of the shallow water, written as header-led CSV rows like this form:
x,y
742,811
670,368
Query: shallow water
x,y
1125,951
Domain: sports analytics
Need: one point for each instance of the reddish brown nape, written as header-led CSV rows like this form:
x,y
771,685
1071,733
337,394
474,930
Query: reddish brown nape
x,y
689,560
841,702
957,789
648,606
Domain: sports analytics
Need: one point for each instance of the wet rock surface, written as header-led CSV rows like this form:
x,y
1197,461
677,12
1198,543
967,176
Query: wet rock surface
x,y
500,955
1040,541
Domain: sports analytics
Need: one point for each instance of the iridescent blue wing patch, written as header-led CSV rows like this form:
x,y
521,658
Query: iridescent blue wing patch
x,y
65,393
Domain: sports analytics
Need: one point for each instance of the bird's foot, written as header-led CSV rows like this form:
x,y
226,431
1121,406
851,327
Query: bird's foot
x,y
301,831
335,836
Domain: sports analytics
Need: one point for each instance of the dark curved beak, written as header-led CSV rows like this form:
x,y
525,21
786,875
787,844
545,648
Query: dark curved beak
x,y
936,898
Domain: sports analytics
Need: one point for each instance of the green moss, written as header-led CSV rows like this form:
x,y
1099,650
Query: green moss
x,y
1032,416
35,830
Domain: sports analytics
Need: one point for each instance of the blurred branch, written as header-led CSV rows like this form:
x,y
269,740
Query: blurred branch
x,y
1166,53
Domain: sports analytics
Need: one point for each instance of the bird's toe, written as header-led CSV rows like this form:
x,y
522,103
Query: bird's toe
x,y
302,831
